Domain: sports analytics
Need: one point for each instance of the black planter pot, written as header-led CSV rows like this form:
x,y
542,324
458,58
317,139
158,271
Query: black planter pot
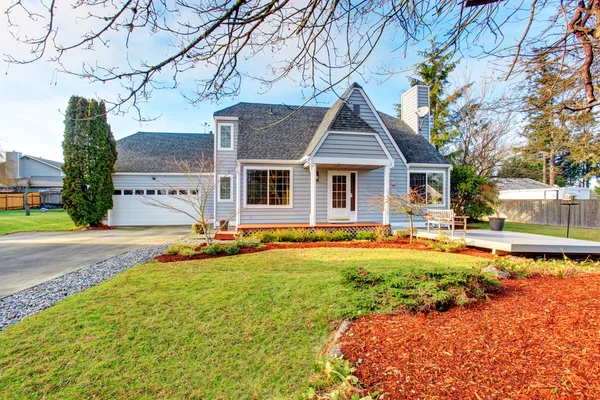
x,y
497,224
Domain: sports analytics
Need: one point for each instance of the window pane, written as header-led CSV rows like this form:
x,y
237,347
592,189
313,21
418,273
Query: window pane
x,y
183,192
194,192
173,192
279,187
225,136
127,192
435,188
117,192
225,188
150,191
418,183
256,186
161,192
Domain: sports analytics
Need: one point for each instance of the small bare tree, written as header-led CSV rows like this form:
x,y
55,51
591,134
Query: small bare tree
x,y
192,200
412,204
10,180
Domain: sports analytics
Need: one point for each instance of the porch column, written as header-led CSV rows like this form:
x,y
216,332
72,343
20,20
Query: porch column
x,y
238,196
313,195
386,195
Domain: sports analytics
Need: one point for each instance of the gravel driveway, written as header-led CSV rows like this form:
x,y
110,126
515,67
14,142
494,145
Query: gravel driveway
x,y
28,259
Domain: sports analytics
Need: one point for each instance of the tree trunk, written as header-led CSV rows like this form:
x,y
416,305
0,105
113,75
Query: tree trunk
x,y
410,228
544,170
552,170
26,201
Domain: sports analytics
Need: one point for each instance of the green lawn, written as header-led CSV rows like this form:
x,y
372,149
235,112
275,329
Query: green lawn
x,y
15,221
241,327
549,230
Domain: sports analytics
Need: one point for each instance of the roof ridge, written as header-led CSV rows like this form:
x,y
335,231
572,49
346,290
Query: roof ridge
x,y
174,133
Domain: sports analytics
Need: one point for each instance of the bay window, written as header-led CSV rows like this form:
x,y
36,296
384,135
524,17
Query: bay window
x,y
429,186
268,187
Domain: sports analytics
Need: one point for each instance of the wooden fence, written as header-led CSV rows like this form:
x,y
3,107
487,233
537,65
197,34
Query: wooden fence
x,y
15,201
552,212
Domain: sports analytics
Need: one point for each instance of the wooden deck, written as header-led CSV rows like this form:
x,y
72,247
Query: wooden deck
x,y
521,243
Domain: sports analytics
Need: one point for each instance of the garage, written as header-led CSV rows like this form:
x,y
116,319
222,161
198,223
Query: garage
x,y
148,178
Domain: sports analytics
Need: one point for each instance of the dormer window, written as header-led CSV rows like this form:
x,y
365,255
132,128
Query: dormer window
x,y
225,136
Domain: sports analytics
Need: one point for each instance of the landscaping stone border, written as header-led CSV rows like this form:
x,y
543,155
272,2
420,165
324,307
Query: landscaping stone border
x,y
16,307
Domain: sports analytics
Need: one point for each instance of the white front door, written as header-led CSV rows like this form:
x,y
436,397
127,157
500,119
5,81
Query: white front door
x,y
340,194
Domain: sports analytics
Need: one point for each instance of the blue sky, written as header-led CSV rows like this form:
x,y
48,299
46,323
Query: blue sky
x,y
33,98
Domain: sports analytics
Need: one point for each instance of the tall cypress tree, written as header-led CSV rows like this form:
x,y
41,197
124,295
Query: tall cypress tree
x,y
89,151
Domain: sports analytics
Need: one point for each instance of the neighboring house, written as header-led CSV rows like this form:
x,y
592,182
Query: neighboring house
x,y
529,189
42,174
281,164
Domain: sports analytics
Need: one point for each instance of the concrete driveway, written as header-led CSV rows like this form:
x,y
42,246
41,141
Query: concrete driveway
x,y
30,258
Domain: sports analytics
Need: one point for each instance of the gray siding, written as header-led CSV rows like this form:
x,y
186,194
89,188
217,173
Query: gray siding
x,y
225,164
299,213
30,167
398,174
415,97
341,145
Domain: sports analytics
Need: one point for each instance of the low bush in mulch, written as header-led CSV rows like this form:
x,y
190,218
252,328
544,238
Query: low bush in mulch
x,y
537,339
414,289
299,236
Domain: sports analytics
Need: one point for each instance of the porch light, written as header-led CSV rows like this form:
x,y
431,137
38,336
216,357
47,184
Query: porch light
x,y
317,176
393,182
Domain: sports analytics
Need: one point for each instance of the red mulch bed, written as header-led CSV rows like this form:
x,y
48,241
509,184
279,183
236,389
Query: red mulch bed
x,y
400,243
539,338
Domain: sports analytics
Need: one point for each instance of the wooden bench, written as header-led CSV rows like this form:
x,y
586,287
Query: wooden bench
x,y
446,217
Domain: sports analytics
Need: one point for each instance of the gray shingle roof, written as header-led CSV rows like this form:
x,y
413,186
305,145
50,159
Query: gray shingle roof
x,y
520,184
156,151
416,148
277,132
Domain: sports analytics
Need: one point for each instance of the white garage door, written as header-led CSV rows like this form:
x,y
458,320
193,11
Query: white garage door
x,y
133,207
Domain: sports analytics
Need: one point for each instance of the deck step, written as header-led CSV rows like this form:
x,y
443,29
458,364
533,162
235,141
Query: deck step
x,y
226,235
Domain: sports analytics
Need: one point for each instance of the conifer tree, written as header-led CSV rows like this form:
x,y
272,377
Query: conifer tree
x,y
89,151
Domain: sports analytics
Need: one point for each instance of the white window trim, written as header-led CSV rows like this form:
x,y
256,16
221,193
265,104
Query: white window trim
x,y
262,168
221,124
444,173
230,199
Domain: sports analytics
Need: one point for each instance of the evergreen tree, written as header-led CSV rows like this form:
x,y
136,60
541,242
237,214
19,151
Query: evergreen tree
x,y
89,151
434,72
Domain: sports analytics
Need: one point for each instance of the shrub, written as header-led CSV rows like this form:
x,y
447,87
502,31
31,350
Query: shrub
x,y
381,233
299,235
339,236
443,243
322,236
366,235
415,289
213,249
182,249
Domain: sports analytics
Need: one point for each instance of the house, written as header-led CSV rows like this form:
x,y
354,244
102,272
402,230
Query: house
x,y
41,173
530,189
290,166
